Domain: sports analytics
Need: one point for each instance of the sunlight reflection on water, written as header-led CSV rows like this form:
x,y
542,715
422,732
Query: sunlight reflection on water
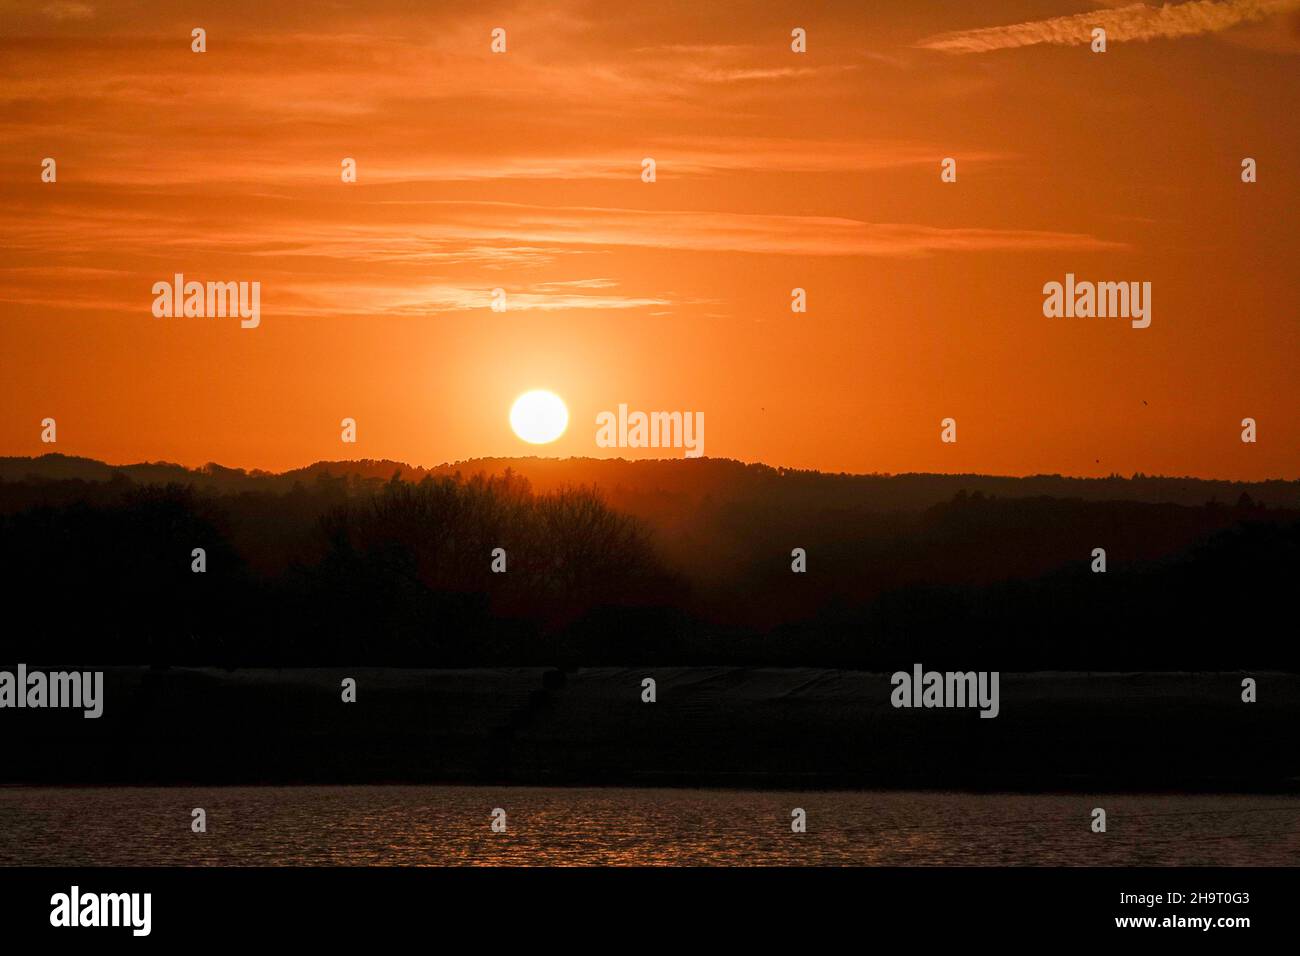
x,y
397,825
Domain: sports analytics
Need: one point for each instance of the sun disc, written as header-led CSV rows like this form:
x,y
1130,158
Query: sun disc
x,y
539,417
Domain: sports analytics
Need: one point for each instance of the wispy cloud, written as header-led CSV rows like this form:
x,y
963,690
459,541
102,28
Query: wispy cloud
x,y
438,231
68,10
700,231
319,298
199,162
1135,22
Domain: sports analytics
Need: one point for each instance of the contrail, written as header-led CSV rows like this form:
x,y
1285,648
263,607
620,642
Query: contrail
x,y
1135,22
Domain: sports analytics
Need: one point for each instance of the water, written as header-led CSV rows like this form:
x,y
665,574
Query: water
x,y
440,826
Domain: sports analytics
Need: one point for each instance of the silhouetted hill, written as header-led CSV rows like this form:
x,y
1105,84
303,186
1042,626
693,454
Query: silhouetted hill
x,y
648,486
662,562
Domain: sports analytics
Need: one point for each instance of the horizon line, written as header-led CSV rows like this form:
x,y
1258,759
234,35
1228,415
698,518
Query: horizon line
x,y
267,473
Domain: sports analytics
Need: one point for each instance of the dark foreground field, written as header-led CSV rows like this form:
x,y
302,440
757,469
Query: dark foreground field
x,y
748,727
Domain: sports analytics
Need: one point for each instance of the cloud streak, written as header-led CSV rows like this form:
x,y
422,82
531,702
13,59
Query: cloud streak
x,y
437,230
1134,22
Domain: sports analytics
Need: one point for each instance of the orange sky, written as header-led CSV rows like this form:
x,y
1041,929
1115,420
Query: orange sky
x,y
775,170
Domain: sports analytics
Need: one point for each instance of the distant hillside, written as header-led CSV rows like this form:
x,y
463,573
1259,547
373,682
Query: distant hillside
x,y
653,487
680,562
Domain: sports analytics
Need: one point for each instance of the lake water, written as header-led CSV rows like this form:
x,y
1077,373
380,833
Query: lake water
x,y
399,825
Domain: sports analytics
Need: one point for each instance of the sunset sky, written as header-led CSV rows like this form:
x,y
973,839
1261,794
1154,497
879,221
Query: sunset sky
x,y
775,170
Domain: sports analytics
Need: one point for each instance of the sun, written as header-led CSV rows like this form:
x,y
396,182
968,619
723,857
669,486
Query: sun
x,y
539,416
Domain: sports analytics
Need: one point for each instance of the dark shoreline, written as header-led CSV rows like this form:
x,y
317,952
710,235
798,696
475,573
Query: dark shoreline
x,y
711,727
750,785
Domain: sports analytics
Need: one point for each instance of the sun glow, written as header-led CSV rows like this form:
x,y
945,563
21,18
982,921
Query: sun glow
x,y
539,416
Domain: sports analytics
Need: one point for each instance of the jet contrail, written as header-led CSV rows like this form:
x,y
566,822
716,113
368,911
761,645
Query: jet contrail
x,y
1135,22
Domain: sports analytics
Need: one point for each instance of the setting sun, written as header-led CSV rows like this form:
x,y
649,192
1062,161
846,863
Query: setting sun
x,y
539,416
